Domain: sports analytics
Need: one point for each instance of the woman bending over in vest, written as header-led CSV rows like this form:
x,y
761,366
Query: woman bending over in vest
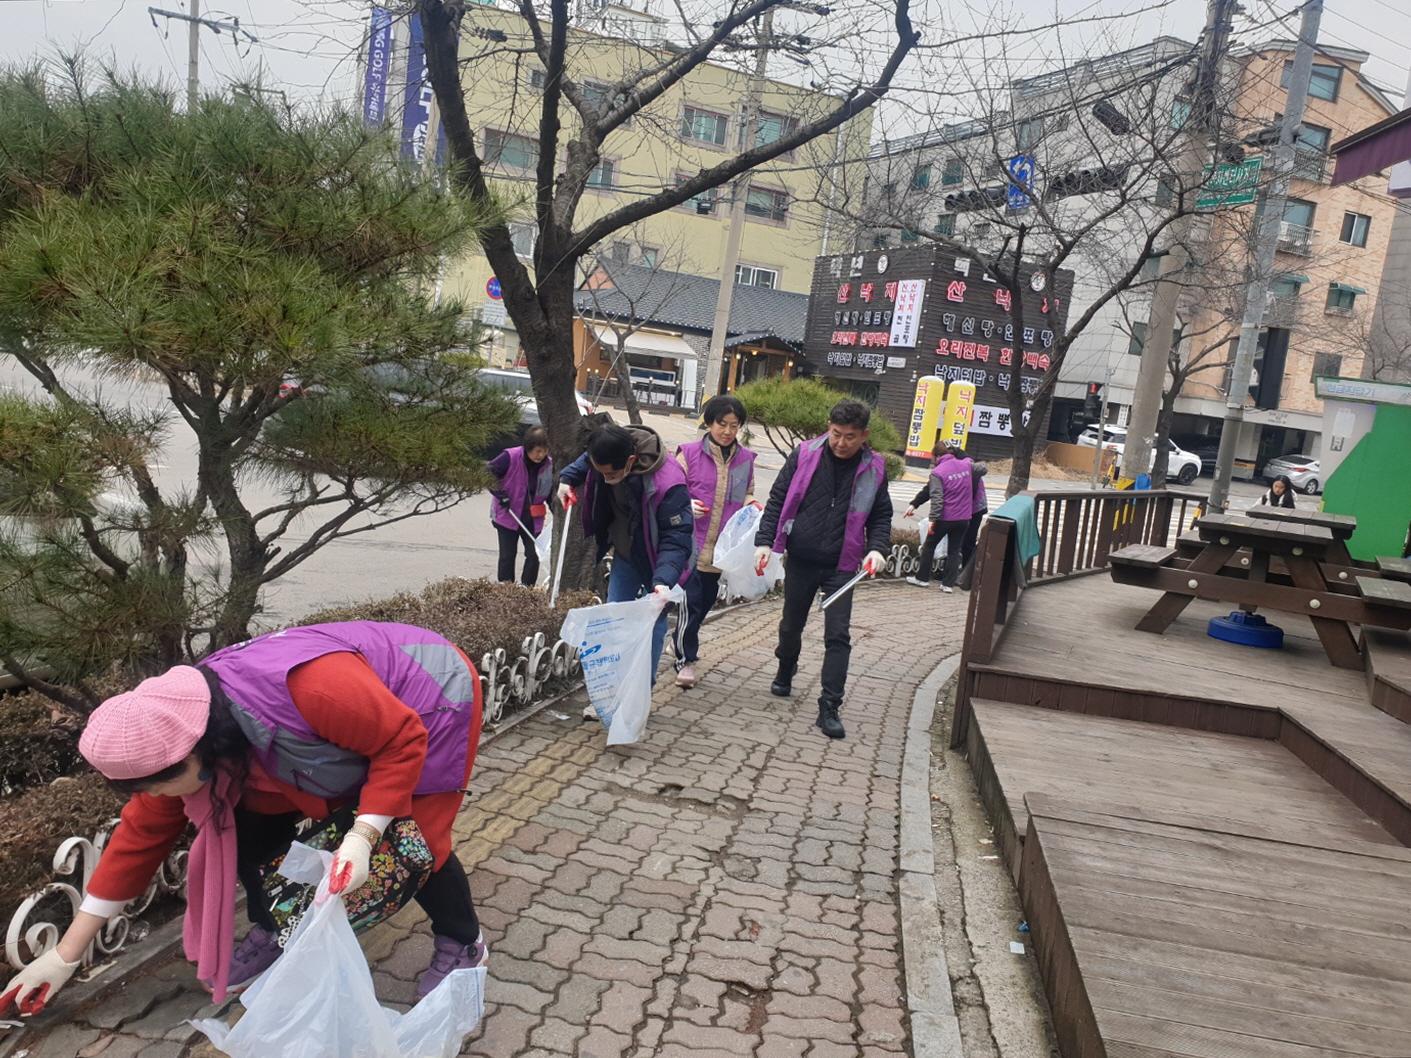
x,y
526,475
720,477
384,716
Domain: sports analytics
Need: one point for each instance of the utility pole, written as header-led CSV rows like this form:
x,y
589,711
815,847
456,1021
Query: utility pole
x,y
720,328
1265,246
194,22
1161,320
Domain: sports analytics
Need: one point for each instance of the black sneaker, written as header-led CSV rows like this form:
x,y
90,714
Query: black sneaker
x,y
828,721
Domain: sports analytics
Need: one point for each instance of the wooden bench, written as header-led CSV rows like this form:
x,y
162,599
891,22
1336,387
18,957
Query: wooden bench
x,y
1142,556
1385,591
1395,568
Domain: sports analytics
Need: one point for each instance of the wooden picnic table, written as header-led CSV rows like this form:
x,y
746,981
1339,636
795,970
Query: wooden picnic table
x,y
1341,526
1301,547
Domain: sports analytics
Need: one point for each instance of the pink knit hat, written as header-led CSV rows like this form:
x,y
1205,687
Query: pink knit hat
x,y
151,727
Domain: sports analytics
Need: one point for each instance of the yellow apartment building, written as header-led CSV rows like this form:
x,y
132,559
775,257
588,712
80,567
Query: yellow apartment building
x,y
695,125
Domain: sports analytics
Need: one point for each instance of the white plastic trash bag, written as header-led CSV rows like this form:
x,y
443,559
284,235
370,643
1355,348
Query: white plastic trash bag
x,y
544,545
614,643
318,1001
734,557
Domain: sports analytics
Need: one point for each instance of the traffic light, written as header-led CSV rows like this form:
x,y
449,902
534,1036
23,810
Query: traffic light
x,y
1092,403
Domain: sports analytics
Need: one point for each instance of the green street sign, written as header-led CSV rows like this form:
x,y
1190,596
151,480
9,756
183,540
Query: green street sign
x,y
1230,185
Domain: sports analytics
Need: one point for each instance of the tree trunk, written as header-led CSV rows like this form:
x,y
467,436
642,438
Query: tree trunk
x,y
622,371
1165,416
1023,462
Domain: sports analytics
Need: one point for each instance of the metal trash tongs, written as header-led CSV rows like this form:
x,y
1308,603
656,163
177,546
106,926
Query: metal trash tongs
x,y
563,548
863,572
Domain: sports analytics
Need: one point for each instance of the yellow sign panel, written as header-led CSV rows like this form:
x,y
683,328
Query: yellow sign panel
x,y
960,402
925,415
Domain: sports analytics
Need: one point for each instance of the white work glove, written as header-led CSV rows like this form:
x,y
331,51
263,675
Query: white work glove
x,y
35,985
909,512
761,559
660,596
351,863
699,509
567,497
874,563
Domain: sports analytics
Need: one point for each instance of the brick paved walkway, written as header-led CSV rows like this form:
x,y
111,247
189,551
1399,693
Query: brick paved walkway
x,y
726,887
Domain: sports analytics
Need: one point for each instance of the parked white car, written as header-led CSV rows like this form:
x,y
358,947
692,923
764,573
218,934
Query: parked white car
x,y
517,384
1303,471
1181,466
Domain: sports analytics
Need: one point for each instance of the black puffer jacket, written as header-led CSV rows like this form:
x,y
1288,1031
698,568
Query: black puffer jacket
x,y
821,522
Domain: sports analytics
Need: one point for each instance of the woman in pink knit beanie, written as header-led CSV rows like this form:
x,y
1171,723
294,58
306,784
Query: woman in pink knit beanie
x,y
293,725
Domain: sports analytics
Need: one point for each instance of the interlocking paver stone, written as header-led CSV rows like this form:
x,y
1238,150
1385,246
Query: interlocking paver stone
x,y
724,888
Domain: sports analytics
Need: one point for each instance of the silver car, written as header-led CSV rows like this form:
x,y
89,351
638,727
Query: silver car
x,y
1303,471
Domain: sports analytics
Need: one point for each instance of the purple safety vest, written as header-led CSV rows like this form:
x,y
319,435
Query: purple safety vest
x,y
655,486
701,479
955,478
516,483
871,476
421,668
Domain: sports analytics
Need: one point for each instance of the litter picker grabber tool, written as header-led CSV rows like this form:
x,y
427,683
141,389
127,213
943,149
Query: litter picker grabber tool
x,y
568,503
863,572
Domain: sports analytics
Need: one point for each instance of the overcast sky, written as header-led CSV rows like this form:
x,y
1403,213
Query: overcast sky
x,y
309,47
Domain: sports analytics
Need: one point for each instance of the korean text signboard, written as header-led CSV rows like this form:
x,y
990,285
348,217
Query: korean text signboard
x,y
1230,185
926,409
967,328
906,313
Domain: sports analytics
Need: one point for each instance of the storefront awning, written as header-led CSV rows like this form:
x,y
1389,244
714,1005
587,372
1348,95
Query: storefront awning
x,y
1373,149
647,343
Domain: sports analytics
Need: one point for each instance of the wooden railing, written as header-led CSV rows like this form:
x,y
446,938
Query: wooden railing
x,y
1078,530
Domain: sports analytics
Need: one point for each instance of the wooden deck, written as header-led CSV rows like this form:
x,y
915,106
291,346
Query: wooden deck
x,y
1208,838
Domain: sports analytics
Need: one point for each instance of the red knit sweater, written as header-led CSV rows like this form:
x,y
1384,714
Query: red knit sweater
x,y
344,701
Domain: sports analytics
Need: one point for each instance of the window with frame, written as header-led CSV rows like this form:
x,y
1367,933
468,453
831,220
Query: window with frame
x,y
647,256
1325,83
765,203
909,236
1342,298
1327,364
595,95
755,276
510,150
953,172
881,240
1165,193
1284,287
769,127
1300,211
1137,340
921,177
537,79
702,204
1355,228
605,175
522,238
945,224
1028,134
704,126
